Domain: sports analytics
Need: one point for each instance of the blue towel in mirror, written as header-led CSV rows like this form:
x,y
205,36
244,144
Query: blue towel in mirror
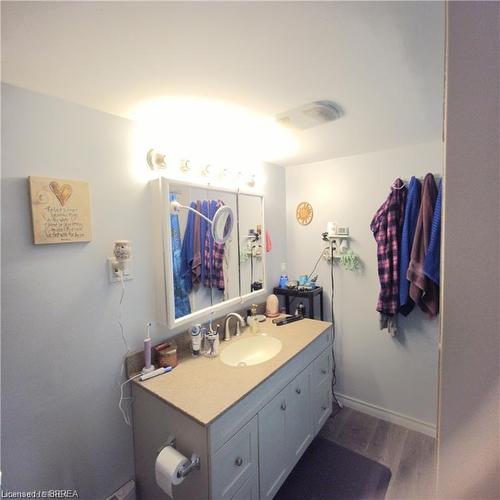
x,y
203,232
187,250
181,295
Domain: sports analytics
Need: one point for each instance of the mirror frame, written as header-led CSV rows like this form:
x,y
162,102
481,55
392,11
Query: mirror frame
x,y
168,304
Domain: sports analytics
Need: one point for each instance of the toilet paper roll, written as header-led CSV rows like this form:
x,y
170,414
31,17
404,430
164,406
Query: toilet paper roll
x,y
168,463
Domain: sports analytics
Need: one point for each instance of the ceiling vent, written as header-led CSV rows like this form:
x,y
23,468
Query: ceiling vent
x,y
310,115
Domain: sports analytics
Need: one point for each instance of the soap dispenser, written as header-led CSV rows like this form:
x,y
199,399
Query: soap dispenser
x,y
252,320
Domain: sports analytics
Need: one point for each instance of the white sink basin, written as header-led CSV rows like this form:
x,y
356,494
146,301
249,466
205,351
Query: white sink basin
x,y
251,351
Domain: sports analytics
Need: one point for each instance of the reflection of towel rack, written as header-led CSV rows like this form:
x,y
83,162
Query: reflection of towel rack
x,y
193,464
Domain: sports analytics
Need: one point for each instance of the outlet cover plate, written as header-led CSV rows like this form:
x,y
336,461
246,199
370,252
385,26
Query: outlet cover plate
x,y
113,276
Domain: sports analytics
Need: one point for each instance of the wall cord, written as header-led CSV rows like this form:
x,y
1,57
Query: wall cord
x,y
120,317
126,416
332,298
315,265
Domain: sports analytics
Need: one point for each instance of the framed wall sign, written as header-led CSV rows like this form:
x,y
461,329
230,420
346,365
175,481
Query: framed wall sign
x,y
60,210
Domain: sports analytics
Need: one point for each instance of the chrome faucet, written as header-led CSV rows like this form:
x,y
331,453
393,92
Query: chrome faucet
x,y
241,322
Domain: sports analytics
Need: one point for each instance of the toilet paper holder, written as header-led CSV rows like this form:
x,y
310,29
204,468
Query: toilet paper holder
x,y
194,463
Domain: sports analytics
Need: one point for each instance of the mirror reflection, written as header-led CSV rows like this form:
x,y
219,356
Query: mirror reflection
x,y
252,243
223,260
204,248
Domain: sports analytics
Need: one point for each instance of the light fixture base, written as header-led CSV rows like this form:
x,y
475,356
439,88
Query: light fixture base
x,y
156,160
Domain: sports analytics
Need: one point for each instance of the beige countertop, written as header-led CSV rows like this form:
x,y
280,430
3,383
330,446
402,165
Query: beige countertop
x,y
203,388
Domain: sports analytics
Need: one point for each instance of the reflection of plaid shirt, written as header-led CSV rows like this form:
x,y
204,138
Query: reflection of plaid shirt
x,y
386,227
214,259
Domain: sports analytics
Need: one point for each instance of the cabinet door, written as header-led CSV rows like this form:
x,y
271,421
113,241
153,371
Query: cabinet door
x,y
273,460
321,389
298,418
235,462
321,404
249,490
322,368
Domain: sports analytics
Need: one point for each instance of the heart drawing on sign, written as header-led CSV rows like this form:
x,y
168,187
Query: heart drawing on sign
x,y
62,193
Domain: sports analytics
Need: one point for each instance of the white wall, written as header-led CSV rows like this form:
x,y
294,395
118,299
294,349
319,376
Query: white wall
x,y
61,346
397,374
469,416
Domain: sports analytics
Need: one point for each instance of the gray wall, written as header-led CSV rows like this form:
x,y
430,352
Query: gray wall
x,y
469,420
395,378
61,346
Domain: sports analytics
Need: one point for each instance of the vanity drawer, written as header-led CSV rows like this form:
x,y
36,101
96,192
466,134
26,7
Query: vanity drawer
x,y
235,462
322,368
322,404
249,490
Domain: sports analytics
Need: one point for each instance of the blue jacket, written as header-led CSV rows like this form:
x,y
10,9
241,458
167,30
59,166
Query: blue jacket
x,y
409,223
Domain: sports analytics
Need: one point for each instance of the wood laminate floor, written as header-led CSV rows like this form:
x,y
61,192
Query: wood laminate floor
x,y
409,455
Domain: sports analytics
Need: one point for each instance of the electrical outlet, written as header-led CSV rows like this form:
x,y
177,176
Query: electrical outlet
x,y
114,271
328,253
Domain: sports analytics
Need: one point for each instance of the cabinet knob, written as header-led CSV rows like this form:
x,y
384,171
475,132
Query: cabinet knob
x,y
298,391
283,406
323,371
238,461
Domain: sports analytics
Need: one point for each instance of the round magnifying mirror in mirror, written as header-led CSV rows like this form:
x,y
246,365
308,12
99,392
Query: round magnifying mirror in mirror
x,y
222,224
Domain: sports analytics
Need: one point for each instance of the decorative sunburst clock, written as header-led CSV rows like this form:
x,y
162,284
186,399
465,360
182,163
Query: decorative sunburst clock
x,y
304,213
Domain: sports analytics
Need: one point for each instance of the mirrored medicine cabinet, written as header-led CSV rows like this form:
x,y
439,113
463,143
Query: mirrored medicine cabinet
x,y
213,258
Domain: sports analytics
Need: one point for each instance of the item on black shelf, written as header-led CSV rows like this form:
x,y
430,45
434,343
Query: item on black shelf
x,y
256,285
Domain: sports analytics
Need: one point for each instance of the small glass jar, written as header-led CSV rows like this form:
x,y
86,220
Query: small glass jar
x,y
211,344
166,355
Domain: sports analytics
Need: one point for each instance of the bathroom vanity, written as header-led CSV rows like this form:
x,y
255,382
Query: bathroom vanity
x,y
248,424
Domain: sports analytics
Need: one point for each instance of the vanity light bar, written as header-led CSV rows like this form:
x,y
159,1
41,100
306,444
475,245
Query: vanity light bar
x,y
158,162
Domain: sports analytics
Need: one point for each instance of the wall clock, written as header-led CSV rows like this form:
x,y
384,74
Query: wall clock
x,y
304,213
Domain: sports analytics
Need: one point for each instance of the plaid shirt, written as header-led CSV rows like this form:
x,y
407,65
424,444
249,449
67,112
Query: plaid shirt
x,y
214,259
386,227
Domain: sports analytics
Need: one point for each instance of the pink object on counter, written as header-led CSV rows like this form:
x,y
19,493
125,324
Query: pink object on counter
x,y
147,353
269,243
272,306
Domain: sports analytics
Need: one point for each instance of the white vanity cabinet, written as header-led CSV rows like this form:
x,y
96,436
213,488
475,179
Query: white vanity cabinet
x,y
285,431
322,389
299,421
235,464
246,452
273,452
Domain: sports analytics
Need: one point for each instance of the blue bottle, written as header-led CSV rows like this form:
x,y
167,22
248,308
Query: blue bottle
x,y
283,277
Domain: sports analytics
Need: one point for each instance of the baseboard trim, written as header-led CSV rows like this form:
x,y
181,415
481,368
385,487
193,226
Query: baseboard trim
x,y
388,415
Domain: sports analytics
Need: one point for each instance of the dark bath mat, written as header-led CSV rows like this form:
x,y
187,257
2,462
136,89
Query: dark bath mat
x,y
328,471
